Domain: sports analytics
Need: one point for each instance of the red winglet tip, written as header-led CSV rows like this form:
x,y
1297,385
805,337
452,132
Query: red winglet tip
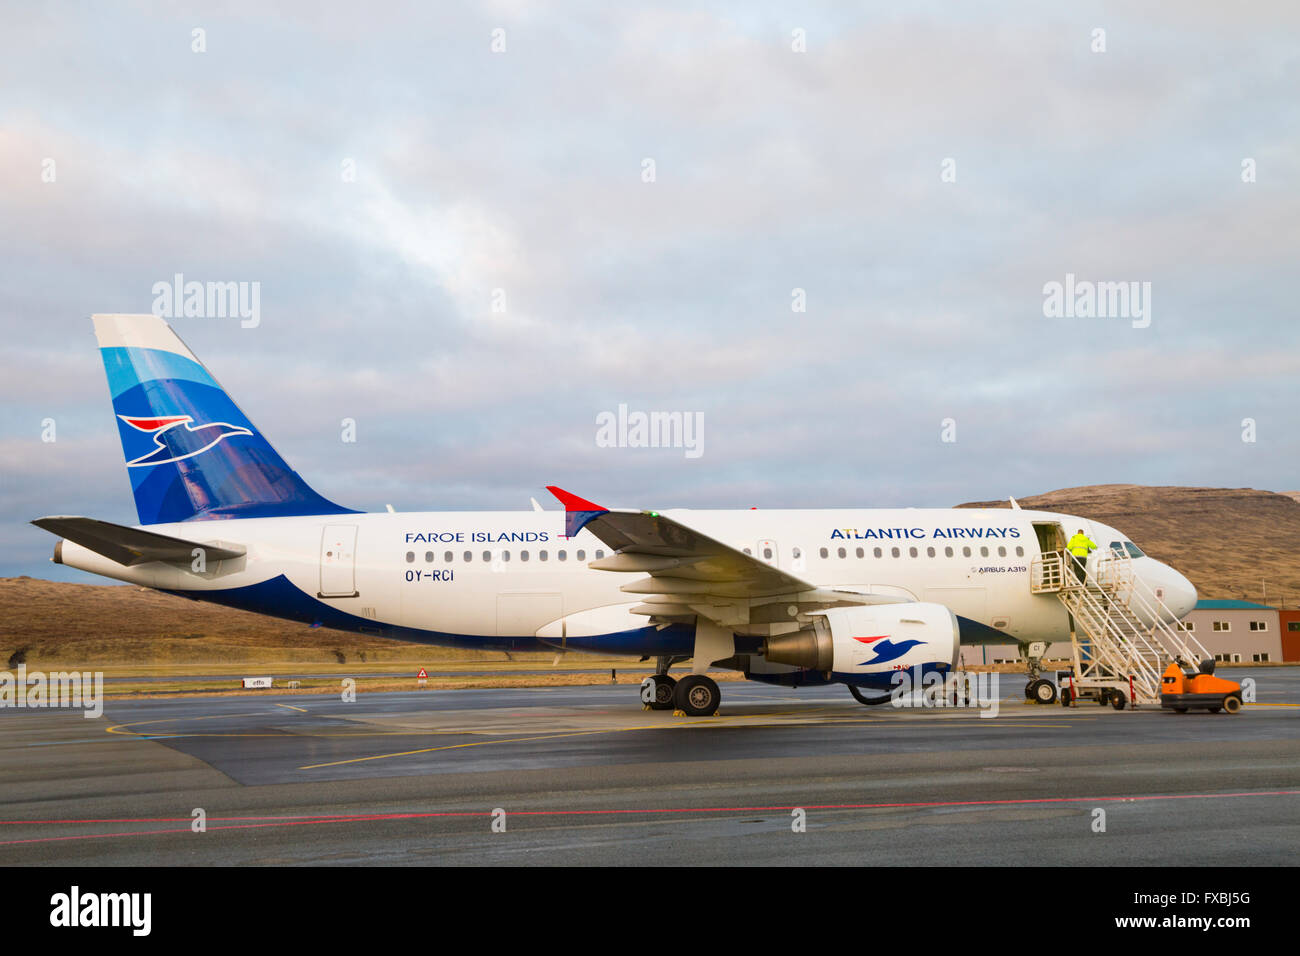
x,y
571,501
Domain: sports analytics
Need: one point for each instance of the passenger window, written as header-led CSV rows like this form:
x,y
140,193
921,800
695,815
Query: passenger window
x,y
767,554
795,553
523,555
541,555
561,555
410,557
1002,551
825,553
428,557
1020,552
841,552
965,552
947,552
487,555
581,555
895,552
861,553
447,557
505,555
984,552
469,555
748,552
929,552
878,553
913,552
599,554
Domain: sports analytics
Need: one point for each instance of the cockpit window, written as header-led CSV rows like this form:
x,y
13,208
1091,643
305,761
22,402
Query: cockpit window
x,y
1127,547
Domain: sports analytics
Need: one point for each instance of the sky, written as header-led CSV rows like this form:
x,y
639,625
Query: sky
x,y
823,231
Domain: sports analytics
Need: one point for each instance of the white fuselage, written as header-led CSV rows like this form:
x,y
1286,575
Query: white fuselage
x,y
472,577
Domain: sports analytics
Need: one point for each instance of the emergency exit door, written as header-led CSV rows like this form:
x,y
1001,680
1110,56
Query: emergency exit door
x,y
338,561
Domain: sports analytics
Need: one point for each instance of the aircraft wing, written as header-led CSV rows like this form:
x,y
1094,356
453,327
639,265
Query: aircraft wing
x,y
132,546
690,573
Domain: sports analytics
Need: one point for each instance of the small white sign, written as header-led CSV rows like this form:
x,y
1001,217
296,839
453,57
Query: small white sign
x,y
257,682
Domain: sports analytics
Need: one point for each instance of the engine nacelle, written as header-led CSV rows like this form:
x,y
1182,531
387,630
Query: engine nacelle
x,y
871,639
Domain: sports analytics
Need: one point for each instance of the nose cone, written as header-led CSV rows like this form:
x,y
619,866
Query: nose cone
x,y
1180,594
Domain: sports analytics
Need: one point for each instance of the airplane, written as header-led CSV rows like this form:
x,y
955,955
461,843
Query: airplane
x,y
787,597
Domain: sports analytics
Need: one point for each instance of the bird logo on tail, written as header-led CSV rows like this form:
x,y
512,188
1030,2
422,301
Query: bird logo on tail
x,y
176,443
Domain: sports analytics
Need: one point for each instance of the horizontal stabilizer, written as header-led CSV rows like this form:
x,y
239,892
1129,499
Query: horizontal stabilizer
x,y
131,546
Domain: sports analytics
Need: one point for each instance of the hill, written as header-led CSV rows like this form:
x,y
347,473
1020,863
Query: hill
x,y
1230,542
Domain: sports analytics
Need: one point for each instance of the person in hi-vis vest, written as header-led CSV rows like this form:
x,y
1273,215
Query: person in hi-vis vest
x,y
1080,546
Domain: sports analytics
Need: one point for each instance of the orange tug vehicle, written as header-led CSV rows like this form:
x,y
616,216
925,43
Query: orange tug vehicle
x,y
1181,691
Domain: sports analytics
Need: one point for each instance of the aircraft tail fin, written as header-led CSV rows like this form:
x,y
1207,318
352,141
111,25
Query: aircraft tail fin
x,y
191,453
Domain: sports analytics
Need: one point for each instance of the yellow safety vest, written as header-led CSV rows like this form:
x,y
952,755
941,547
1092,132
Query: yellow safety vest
x,y
1080,545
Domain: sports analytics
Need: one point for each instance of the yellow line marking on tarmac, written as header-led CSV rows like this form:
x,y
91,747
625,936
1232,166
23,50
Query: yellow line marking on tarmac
x,y
301,710
699,722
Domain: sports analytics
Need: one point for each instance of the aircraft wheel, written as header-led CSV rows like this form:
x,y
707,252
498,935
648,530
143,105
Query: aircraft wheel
x,y
657,692
1029,690
1118,700
1044,692
697,696
862,698
1067,697
1232,704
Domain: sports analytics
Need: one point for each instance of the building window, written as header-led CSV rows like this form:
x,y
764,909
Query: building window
x,y
1187,625
1260,658
1293,625
1259,625
1222,626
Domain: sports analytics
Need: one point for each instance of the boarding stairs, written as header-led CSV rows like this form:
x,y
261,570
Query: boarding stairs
x,y
1121,638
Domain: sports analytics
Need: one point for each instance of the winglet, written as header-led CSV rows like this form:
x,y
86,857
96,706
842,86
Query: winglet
x,y
578,512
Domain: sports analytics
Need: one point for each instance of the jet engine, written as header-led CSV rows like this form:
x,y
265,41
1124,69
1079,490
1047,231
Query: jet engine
x,y
871,639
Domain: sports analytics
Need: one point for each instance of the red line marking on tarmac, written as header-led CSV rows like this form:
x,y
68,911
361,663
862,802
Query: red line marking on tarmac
x,y
376,817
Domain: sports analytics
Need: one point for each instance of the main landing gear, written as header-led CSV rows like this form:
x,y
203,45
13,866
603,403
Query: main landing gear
x,y
695,695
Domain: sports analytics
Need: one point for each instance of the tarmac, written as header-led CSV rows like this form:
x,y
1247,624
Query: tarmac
x,y
585,775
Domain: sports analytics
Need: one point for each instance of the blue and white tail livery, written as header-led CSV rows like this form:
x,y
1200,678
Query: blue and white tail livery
x,y
787,597
191,453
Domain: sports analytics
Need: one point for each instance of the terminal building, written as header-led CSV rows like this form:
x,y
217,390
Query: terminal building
x,y
1236,632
